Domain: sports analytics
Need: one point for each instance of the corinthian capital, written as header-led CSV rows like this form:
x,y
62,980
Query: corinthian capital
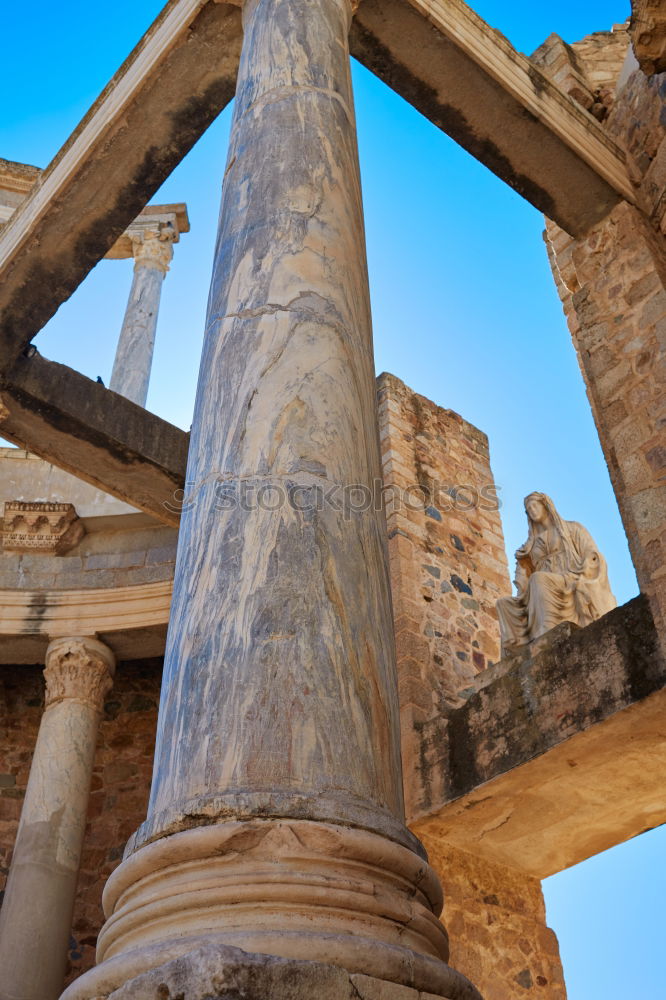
x,y
79,669
154,248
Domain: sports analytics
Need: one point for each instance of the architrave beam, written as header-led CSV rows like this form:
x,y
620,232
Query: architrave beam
x,y
178,78
95,434
469,81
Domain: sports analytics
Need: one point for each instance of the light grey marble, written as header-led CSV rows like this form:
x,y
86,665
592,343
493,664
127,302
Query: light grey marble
x,y
36,915
279,693
134,355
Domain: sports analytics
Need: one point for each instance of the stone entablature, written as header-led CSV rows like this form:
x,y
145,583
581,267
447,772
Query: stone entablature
x,y
52,528
164,222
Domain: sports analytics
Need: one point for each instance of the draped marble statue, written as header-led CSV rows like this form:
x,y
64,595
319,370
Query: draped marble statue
x,y
560,577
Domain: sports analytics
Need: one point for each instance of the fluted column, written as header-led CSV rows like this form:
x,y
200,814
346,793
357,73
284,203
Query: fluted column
x,y
153,251
276,819
36,915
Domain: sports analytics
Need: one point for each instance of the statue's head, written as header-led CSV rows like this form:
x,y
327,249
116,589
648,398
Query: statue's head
x,y
538,507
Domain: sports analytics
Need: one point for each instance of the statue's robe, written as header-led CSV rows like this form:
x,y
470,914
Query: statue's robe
x,y
567,581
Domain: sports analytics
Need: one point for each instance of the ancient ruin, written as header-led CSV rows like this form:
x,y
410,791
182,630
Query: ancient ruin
x,y
296,762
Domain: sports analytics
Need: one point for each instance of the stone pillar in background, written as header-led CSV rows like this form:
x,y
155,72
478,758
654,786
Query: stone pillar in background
x,y
36,915
152,251
276,820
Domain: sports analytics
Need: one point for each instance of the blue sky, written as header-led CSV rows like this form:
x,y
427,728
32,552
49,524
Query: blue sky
x,y
465,311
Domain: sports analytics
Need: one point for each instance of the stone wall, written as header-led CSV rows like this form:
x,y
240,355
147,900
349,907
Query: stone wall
x,y
586,70
448,564
120,783
648,34
496,919
612,285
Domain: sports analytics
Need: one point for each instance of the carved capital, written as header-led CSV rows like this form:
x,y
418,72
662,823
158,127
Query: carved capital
x,y
79,669
154,248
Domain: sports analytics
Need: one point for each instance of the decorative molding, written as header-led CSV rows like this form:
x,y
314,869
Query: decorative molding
x,y
154,248
79,669
89,612
51,528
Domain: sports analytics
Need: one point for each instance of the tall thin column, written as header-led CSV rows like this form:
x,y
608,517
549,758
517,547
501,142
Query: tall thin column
x,y
36,915
152,252
276,819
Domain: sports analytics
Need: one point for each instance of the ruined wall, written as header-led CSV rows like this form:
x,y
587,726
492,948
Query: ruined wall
x,y
586,70
448,567
612,284
648,34
496,918
120,783
448,564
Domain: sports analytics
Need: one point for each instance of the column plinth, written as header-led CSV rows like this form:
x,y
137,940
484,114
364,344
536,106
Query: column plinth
x,y
276,818
36,915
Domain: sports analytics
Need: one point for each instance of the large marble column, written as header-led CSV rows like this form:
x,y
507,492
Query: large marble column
x,y
36,914
276,819
152,251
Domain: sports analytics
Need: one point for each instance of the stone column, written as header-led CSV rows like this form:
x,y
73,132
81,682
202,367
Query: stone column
x,y
36,915
276,819
153,251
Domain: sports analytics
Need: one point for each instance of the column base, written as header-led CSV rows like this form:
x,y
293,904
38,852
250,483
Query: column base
x,y
294,890
218,972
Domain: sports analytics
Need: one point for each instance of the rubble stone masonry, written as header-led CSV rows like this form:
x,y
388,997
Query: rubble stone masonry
x,y
448,564
496,918
613,288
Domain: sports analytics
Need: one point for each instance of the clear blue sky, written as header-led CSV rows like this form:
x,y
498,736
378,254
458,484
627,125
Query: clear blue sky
x,y
465,311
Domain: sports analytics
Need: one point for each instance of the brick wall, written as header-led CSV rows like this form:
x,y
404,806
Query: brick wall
x,y
448,564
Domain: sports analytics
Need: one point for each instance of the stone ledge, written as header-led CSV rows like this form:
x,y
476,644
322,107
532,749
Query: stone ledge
x,y
559,756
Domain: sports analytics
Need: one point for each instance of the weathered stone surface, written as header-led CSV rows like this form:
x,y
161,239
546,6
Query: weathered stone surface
x,y
286,405
278,736
119,789
613,289
447,559
97,435
38,526
178,78
466,78
222,973
497,920
531,773
134,355
560,577
587,70
45,862
648,34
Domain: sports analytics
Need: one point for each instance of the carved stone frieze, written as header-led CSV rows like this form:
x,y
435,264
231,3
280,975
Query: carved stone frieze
x,y
80,669
51,528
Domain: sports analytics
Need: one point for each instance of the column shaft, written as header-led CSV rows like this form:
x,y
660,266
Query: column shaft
x,y
36,915
281,622
134,355
276,819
